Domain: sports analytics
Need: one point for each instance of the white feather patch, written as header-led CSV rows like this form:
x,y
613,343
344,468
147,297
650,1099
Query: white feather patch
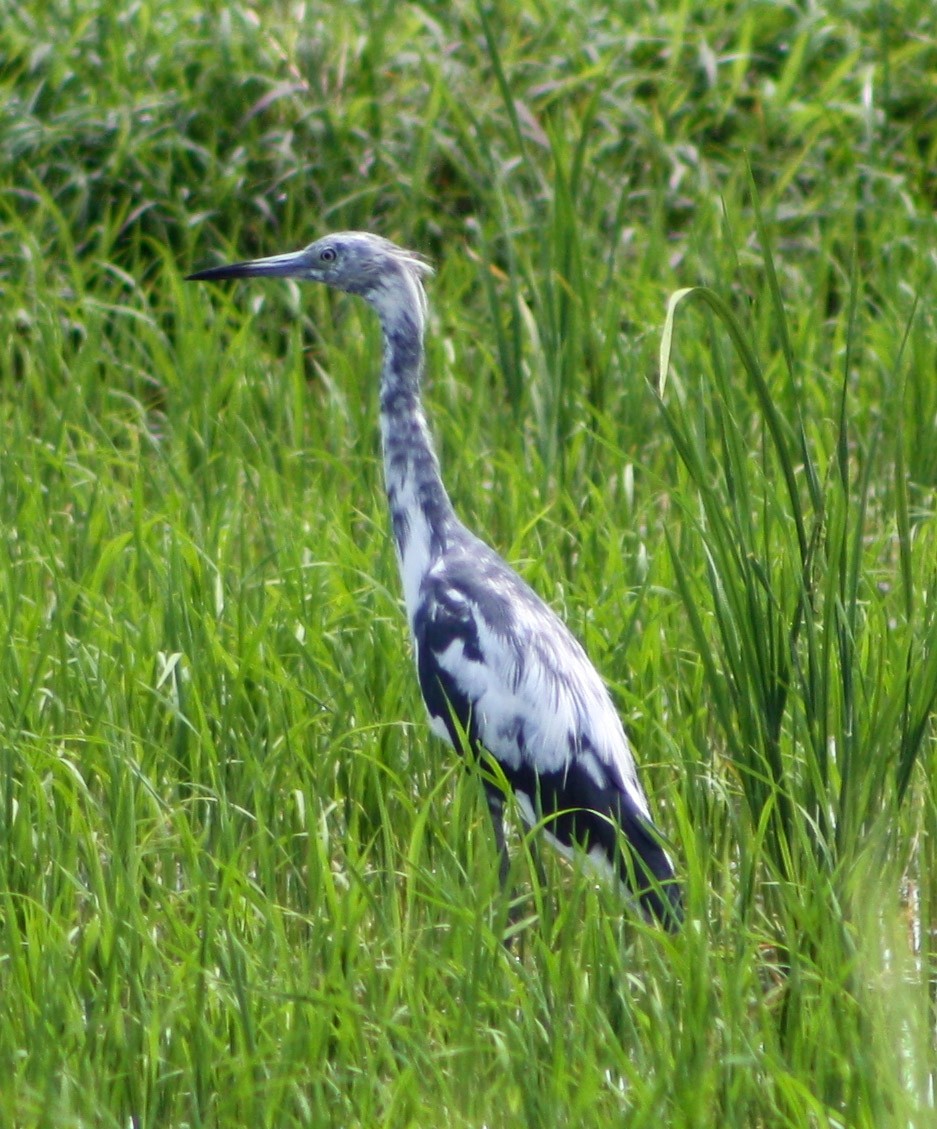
x,y
559,712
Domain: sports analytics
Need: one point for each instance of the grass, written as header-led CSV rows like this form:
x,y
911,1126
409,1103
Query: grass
x,y
239,881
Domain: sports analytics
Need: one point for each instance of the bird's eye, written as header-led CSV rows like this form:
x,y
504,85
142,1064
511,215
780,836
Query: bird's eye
x,y
327,255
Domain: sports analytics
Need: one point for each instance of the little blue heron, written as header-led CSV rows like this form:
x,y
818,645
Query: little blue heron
x,y
497,667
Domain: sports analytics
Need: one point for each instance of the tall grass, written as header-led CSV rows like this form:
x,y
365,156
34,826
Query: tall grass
x,y
681,373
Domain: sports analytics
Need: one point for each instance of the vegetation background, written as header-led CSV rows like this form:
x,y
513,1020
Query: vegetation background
x,y
240,884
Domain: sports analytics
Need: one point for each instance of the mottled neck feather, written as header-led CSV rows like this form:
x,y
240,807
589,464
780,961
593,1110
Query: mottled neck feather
x,y
420,510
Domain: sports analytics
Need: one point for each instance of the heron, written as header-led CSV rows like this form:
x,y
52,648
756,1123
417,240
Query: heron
x,y
500,673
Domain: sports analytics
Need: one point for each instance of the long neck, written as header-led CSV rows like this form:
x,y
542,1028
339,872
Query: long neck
x,y
420,510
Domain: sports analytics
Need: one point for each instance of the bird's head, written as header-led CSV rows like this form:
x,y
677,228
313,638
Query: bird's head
x,y
355,261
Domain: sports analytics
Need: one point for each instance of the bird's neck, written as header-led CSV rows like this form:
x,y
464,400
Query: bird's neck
x,y
420,510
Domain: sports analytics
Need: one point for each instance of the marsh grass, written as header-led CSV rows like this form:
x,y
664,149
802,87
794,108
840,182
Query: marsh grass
x,y
239,882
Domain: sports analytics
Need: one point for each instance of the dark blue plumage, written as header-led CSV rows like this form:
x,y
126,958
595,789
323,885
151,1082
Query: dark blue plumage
x,y
476,603
496,666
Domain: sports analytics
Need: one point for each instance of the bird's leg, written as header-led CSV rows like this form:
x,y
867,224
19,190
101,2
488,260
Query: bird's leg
x,y
496,810
515,915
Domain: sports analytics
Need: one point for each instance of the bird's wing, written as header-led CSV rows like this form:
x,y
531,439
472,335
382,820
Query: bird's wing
x,y
498,666
491,653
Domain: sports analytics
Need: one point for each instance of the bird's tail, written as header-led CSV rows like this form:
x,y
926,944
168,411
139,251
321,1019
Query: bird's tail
x,y
649,873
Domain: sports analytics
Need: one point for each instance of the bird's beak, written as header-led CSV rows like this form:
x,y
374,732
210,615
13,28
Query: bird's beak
x,y
294,265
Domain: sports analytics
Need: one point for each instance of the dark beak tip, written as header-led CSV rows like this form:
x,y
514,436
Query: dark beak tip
x,y
209,274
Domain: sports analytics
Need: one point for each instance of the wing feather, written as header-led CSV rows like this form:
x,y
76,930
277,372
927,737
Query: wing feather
x,y
511,663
